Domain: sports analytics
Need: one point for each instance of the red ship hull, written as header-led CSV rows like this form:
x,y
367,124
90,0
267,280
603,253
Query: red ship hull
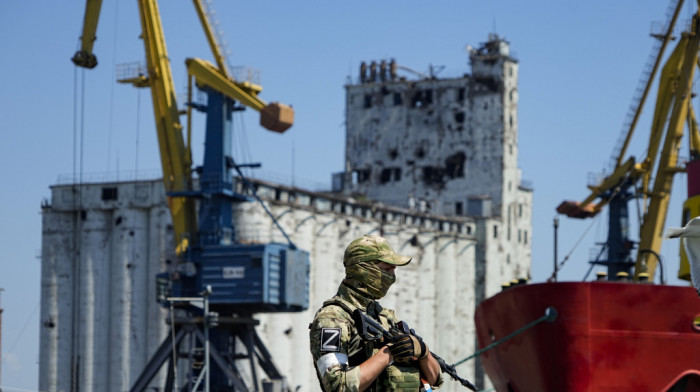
x,y
607,337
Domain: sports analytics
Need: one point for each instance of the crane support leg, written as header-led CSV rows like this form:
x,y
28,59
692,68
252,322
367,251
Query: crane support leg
x,y
225,372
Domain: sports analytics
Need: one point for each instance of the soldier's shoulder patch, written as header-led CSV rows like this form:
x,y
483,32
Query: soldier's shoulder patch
x,y
330,339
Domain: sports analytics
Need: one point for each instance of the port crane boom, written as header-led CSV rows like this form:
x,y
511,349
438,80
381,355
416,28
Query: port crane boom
x,y
84,56
176,156
233,279
650,179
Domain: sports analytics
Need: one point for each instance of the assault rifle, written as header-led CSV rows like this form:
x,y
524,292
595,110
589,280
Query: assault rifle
x,y
371,330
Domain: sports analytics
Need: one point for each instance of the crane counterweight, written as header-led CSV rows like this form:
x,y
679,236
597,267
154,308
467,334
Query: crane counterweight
x,y
573,209
277,117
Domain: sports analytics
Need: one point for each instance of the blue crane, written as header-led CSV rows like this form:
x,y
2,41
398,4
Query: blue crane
x,y
234,280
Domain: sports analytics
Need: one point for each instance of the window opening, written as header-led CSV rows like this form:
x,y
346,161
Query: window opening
x,y
385,176
109,193
454,165
460,94
368,101
362,175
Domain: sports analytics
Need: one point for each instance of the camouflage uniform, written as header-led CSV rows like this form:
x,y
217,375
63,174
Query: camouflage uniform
x,y
336,345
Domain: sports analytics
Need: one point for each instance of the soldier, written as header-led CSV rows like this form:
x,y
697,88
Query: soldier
x,y
343,359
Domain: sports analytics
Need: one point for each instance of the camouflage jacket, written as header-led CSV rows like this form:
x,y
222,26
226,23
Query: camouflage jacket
x,y
338,349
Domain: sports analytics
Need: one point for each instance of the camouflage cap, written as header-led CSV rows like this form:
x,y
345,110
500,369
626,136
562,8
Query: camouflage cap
x,y
372,247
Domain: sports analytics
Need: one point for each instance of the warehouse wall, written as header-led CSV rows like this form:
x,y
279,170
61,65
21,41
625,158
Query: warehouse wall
x,y
102,245
435,293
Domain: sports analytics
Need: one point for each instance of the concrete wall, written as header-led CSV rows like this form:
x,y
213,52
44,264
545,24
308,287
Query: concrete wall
x,y
434,293
100,321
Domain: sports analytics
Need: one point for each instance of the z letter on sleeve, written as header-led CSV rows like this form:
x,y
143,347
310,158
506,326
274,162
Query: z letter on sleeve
x,y
330,339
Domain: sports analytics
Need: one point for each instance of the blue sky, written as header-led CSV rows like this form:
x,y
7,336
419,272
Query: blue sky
x,y
579,65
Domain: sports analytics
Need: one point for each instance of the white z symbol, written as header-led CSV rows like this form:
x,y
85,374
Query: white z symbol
x,y
328,344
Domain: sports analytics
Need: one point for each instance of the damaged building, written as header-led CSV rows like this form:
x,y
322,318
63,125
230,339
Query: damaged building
x,y
445,146
431,164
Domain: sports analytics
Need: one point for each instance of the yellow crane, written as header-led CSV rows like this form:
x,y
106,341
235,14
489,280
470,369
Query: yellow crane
x,y
175,151
209,256
638,179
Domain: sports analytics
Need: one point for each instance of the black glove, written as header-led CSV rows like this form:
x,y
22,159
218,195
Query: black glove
x,y
406,348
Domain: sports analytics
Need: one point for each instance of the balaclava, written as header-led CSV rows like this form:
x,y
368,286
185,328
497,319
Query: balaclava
x,y
361,270
367,278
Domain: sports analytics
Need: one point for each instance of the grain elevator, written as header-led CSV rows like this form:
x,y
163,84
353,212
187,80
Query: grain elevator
x,y
431,164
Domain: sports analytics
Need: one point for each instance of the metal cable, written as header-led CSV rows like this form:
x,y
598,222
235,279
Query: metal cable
x,y
78,132
255,195
26,323
242,146
138,133
112,84
550,315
